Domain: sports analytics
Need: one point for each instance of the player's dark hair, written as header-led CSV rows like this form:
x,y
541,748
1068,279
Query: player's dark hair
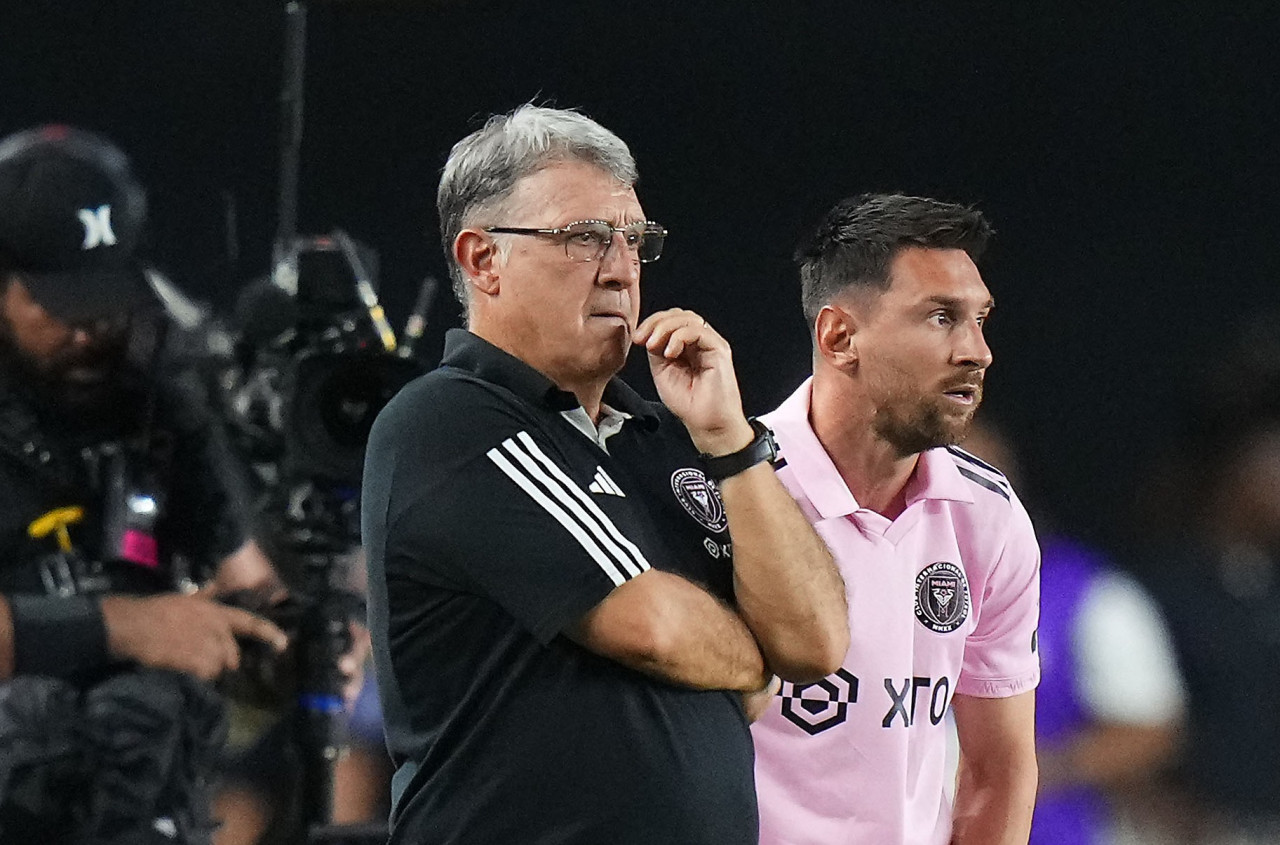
x,y
857,240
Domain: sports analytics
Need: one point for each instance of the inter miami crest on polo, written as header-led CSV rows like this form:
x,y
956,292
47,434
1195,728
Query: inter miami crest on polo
x,y
942,597
699,496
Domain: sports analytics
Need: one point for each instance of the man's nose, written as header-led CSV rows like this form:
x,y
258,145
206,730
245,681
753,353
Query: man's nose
x,y
971,347
620,266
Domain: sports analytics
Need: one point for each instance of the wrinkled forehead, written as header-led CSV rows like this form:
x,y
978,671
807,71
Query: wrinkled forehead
x,y
573,190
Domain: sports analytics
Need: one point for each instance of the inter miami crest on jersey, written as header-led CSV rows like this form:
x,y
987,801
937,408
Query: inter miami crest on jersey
x,y
700,498
942,597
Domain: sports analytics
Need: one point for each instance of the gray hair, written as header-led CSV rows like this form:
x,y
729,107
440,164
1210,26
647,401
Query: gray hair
x,y
484,167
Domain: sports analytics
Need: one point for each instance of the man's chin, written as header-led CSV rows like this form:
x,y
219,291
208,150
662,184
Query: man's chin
x,y
614,358
929,430
954,432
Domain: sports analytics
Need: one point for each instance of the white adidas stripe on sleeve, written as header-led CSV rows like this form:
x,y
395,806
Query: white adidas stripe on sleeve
x,y
570,506
607,524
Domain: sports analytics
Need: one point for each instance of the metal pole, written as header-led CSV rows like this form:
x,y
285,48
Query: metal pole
x,y
292,93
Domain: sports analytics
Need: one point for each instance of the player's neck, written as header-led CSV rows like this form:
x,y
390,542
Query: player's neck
x,y
874,471
592,402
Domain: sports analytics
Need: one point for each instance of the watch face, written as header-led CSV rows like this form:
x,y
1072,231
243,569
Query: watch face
x,y
764,435
773,444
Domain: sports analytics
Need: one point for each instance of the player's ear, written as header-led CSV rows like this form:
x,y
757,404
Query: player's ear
x,y
835,337
477,255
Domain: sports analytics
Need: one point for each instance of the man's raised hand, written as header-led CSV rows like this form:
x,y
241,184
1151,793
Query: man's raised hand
x,y
692,369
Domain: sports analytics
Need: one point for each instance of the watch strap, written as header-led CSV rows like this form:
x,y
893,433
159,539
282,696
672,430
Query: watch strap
x,y
762,448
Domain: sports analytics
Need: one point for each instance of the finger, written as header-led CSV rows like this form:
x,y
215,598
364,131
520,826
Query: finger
x,y
225,655
685,338
351,691
245,624
690,322
662,333
361,642
223,651
670,318
230,653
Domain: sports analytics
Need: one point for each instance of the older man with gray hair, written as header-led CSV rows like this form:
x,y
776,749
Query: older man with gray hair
x,y
578,597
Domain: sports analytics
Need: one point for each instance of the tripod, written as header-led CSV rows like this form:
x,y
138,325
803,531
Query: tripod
x,y
318,532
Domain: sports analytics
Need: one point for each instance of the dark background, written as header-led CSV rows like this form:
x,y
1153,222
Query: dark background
x,y
1126,154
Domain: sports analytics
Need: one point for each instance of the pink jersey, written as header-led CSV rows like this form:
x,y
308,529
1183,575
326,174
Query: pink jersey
x,y
943,599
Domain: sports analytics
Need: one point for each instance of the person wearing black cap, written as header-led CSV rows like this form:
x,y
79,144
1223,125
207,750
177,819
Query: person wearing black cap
x,y
113,487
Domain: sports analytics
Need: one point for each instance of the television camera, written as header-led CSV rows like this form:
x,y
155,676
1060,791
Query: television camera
x,y
311,364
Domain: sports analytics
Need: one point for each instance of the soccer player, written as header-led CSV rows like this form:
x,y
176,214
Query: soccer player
x,y
939,554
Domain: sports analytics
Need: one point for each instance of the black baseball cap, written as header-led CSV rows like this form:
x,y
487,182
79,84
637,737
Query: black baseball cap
x,y
71,217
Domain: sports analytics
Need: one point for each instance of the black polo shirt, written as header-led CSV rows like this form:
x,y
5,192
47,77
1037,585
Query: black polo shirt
x,y
491,523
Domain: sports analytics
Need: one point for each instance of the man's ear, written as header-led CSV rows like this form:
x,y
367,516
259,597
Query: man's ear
x,y
478,257
834,337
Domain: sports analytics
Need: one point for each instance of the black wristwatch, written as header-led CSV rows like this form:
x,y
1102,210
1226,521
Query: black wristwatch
x,y
763,448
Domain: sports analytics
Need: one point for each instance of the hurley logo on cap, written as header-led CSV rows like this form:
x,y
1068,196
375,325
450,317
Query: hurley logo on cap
x,y
71,221
97,227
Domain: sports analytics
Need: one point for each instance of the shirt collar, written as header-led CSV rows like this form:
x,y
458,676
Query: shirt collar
x,y
466,351
935,475
609,424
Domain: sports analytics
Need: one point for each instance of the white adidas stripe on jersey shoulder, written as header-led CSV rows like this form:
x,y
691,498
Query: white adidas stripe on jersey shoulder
x,y
521,460
606,484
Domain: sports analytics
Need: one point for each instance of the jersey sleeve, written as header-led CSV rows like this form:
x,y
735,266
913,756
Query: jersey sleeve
x,y
1000,657
479,500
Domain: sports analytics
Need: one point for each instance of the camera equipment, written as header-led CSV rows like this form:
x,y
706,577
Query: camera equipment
x,y
314,362
318,364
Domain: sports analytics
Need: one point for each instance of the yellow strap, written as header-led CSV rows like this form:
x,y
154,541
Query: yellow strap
x,y
55,522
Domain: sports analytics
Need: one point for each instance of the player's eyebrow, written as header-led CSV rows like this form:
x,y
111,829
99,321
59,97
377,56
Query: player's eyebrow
x,y
955,303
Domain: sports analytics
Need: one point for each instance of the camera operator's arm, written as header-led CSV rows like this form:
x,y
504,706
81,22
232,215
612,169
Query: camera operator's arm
x,y
248,569
45,635
187,633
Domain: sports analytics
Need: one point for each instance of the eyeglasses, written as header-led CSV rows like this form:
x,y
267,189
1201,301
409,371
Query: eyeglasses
x,y
589,240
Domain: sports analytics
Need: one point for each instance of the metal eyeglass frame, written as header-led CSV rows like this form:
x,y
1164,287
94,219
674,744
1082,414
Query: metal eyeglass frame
x,y
649,228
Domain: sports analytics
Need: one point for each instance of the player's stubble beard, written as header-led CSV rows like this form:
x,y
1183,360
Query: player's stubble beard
x,y
913,422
